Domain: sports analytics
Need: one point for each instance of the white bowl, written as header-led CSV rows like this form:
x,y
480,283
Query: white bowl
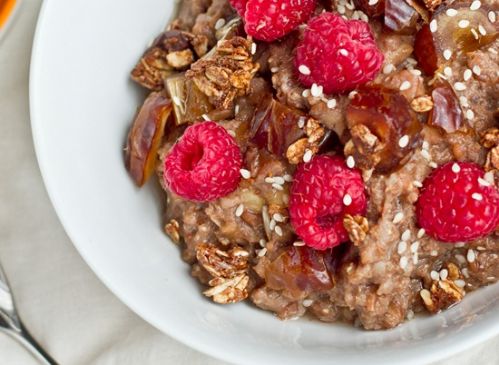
x,y
82,103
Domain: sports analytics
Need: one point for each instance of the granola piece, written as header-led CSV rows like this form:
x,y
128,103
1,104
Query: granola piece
x,y
180,59
172,230
431,5
227,73
422,104
314,131
226,291
490,139
454,272
364,147
296,152
442,295
357,227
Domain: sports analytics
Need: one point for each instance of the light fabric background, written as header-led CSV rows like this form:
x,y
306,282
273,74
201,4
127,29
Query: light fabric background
x,y
61,301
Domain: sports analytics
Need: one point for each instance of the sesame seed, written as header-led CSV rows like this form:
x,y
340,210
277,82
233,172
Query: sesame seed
x,y
205,117
316,90
245,173
433,253
421,233
463,100
220,23
269,180
447,54
405,85
274,70
304,70
331,103
456,168
262,243
301,122
434,275
444,274
470,256
480,248
426,154
262,252
465,272
372,2
415,246
475,5
299,243
451,12
404,141
463,23
460,258
475,34
433,165
460,283
469,114
415,258
278,217
343,52
402,246
406,236
482,30
483,182
433,26
477,196
489,176
272,224
459,86
236,109
403,262
307,156
279,180
492,16
177,100
278,230
350,162
307,302
398,217
476,70
415,72
239,210
388,68
253,48
288,178
306,93
417,184
347,200
277,187
447,71
352,94
467,74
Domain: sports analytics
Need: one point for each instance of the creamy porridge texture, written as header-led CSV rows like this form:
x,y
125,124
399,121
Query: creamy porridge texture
x,y
332,158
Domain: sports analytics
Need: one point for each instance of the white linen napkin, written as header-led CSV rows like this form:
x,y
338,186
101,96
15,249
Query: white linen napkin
x,y
73,316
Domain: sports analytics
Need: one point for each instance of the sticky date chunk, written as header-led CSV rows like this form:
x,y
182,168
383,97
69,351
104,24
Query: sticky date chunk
x,y
446,112
429,46
298,271
380,120
400,16
145,137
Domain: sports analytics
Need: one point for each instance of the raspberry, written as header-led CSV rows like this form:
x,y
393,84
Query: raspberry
x,y
323,191
204,164
337,54
239,5
454,205
268,20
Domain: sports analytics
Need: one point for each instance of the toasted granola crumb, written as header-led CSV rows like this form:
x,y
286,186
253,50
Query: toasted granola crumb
x,y
422,104
172,230
357,227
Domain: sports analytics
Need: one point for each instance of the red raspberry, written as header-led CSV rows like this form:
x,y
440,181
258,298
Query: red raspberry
x,y
454,205
239,5
337,54
268,20
204,164
319,200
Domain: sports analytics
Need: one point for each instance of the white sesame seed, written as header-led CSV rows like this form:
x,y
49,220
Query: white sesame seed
x,y
421,233
451,12
404,141
460,283
402,246
470,256
347,200
398,217
287,178
489,176
272,224
306,93
426,155
220,23
477,196
304,70
459,86
433,165
475,33
433,253
460,258
331,103
444,274
307,156
455,168
316,90
415,246
274,70
463,100
480,248
279,180
415,72
343,52
434,275
269,180
417,184
415,258
350,162
482,30
483,182
262,252
388,68
463,23
406,235
352,94
465,272
299,243
245,173
476,70
177,100
403,262
469,114
372,2
447,54
253,48
239,210
236,109
278,217
405,85
492,16
277,187
205,117
475,5
433,26
467,74
307,302
301,122
278,230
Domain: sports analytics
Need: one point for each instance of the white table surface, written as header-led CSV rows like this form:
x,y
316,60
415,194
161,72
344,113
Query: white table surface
x,y
75,318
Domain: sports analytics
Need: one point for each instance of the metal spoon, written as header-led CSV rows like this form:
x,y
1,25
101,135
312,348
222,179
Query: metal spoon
x,y
10,324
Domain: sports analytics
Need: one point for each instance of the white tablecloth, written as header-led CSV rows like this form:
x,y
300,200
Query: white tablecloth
x,y
74,317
